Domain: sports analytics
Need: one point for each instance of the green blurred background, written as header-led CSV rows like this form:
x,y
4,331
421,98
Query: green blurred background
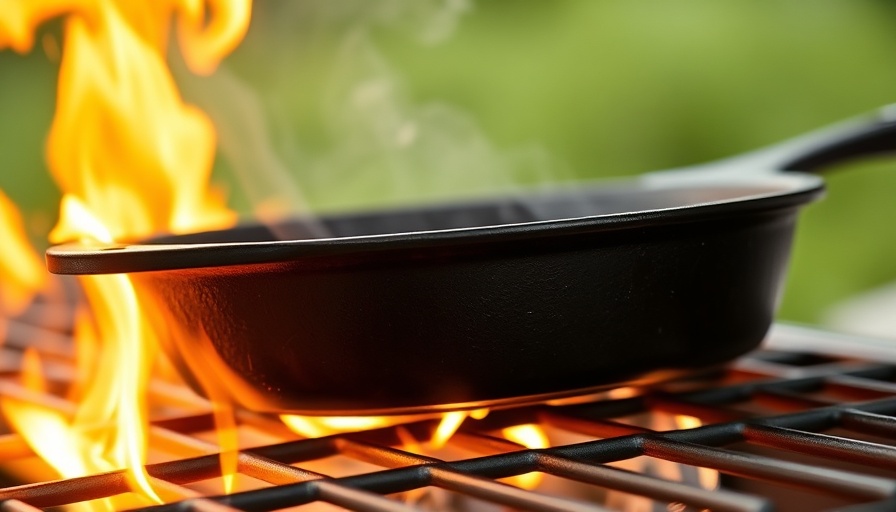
x,y
525,91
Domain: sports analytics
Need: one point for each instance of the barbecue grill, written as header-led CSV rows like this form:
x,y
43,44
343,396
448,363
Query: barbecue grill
x,y
786,428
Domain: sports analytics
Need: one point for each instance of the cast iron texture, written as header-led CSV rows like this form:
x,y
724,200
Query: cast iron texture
x,y
482,323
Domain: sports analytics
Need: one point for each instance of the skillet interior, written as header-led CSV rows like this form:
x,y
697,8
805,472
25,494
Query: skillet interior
x,y
652,201
541,206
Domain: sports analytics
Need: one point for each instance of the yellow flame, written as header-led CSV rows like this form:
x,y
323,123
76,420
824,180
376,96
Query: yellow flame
x,y
59,448
123,143
132,159
87,353
89,227
204,45
683,421
451,421
22,273
709,478
59,445
532,437
319,426
226,432
623,392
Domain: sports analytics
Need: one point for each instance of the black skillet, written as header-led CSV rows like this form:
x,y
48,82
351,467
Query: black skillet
x,y
487,303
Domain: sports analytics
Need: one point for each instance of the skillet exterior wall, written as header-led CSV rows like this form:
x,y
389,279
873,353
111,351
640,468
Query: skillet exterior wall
x,y
401,330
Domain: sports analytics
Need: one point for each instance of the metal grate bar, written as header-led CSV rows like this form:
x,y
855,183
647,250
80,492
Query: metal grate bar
x,y
787,400
381,455
865,382
798,475
504,494
420,472
861,452
862,421
274,472
591,427
710,413
249,464
663,490
801,380
61,492
853,389
877,506
355,499
734,409
456,481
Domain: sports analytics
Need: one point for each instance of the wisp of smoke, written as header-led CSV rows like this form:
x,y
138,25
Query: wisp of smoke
x,y
371,142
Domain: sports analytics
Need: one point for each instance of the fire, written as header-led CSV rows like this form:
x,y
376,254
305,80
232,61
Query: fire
x,y
132,159
32,376
314,427
59,445
532,437
319,426
708,478
528,435
447,427
21,271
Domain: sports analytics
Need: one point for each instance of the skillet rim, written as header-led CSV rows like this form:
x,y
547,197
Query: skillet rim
x,y
796,188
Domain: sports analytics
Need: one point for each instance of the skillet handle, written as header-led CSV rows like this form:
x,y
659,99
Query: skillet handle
x,y
816,151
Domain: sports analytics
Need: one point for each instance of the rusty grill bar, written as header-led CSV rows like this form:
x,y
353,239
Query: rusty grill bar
x,y
822,424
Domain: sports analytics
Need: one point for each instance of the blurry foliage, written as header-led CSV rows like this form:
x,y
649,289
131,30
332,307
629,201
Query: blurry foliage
x,y
606,87
27,95
846,243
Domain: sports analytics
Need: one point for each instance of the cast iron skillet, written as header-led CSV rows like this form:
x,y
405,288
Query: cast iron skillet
x,y
486,303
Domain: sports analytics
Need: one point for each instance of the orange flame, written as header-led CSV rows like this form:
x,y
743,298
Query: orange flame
x,y
59,447
319,426
314,427
32,376
21,271
532,437
451,421
132,159
708,478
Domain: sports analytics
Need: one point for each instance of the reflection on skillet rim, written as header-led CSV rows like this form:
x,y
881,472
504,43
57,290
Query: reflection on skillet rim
x,y
732,195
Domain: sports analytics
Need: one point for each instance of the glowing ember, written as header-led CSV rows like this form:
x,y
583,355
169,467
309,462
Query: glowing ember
x,y
131,159
21,272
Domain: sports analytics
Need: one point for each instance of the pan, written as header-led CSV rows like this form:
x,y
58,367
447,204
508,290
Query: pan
x,y
533,296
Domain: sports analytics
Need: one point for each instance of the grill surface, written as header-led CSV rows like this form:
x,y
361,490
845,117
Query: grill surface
x,y
787,430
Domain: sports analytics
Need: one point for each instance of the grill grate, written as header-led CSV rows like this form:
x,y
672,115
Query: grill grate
x,y
778,426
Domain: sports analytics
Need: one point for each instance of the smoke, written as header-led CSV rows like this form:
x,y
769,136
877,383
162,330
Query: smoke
x,y
313,115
